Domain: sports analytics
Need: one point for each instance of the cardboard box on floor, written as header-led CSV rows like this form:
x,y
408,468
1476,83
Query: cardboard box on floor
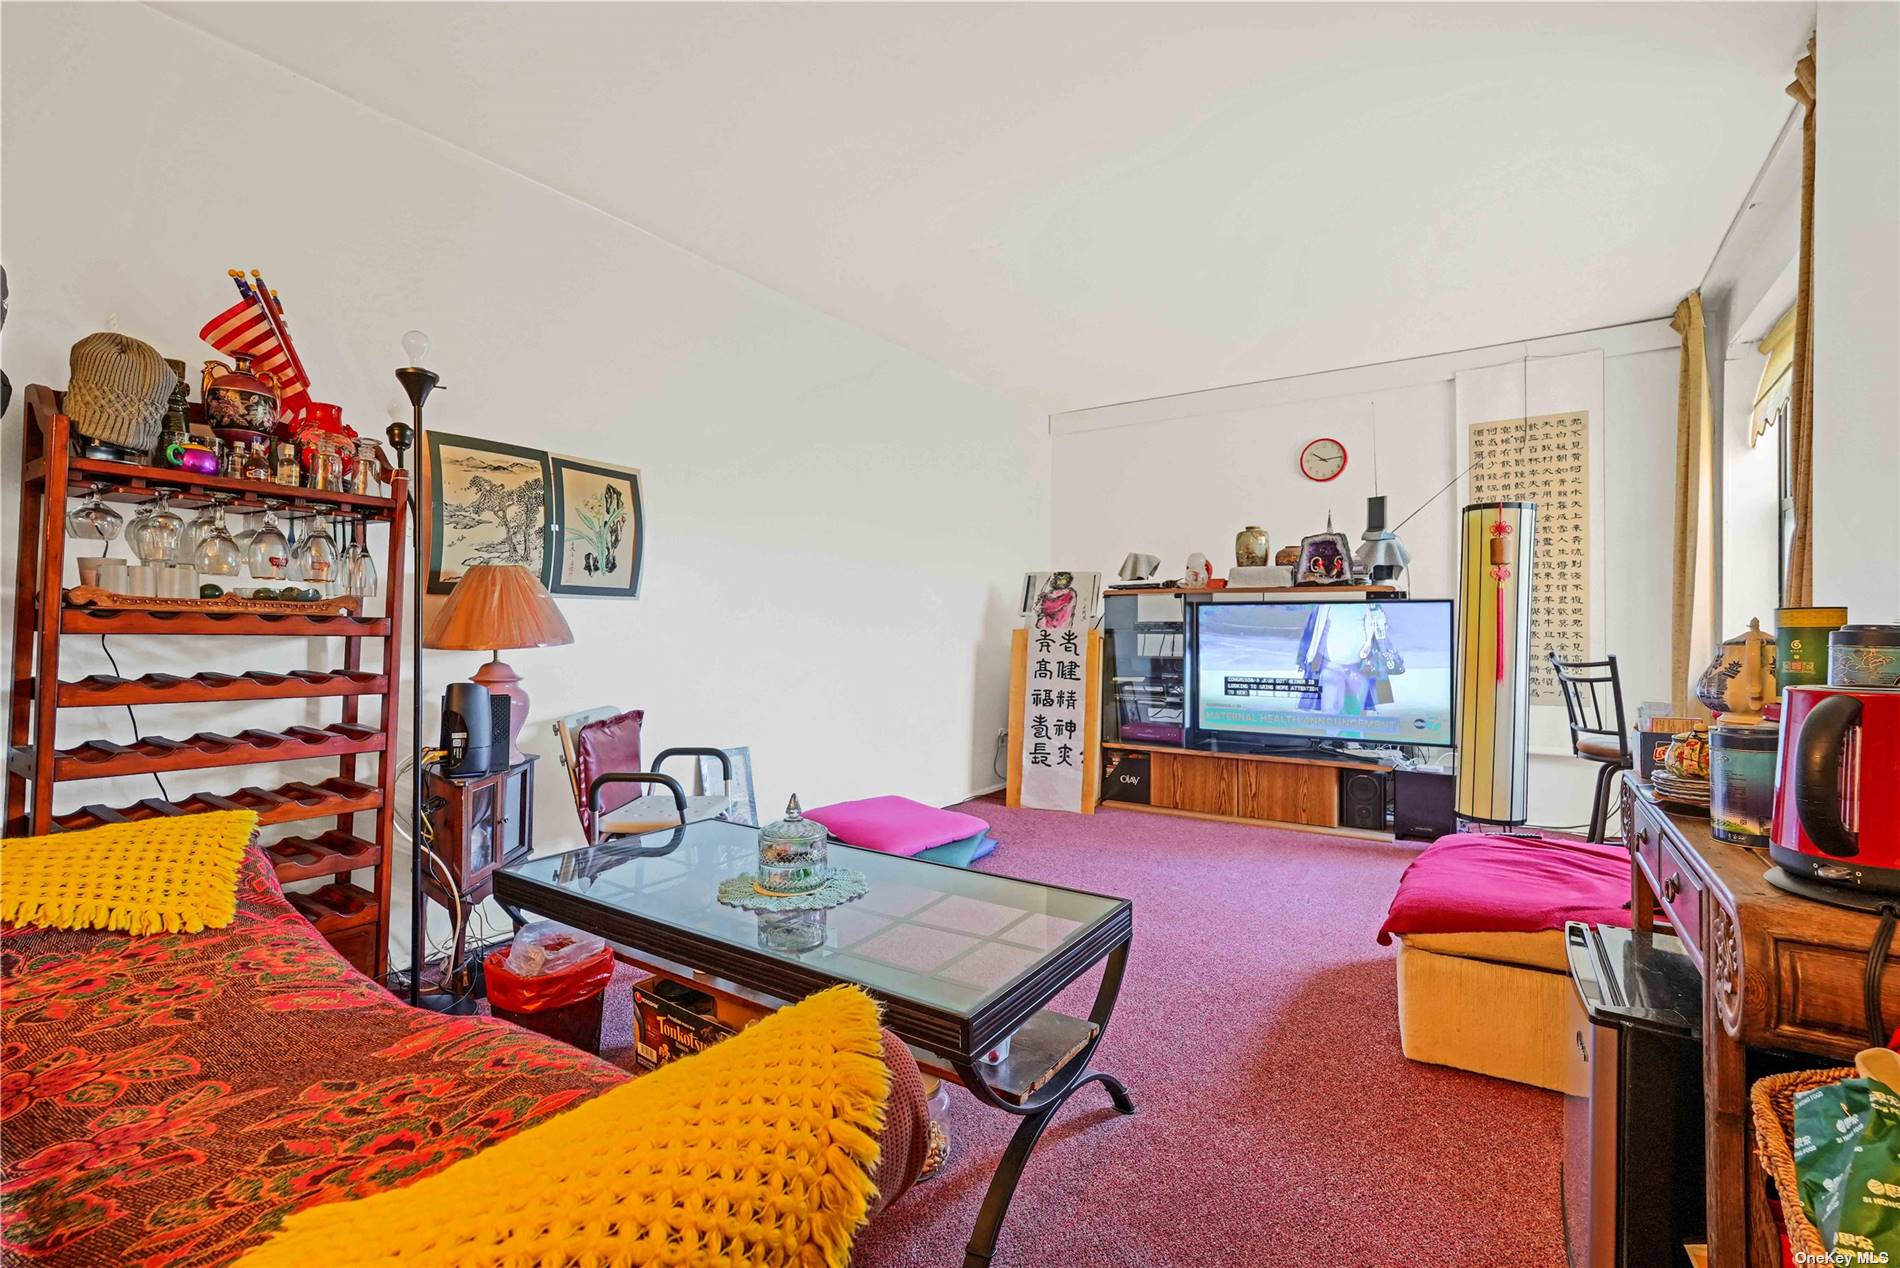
x,y
673,1019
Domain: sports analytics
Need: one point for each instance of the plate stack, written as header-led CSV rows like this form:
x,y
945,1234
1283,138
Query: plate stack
x,y
1690,793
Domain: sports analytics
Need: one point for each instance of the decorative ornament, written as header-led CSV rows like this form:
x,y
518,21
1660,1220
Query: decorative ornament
x,y
747,892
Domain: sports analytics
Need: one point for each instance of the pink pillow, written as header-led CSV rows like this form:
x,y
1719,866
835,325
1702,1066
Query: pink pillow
x,y
895,825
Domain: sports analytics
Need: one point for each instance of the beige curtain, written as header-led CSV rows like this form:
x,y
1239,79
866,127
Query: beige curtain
x,y
1799,590
1692,612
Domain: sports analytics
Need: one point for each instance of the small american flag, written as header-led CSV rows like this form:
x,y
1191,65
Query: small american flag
x,y
254,327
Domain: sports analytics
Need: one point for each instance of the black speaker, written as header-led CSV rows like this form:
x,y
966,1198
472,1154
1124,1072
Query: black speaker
x,y
468,729
1362,799
500,710
1422,803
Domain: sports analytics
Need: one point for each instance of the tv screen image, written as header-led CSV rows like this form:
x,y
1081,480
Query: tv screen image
x,y
1375,673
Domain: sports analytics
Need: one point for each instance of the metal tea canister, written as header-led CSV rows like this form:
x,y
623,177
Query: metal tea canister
x,y
1801,644
792,854
1742,781
1864,656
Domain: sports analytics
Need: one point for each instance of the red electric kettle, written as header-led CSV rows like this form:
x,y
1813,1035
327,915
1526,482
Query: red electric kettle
x,y
1837,791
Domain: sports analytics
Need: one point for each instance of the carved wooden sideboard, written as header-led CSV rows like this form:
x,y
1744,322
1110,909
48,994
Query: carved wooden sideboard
x,y
1781,974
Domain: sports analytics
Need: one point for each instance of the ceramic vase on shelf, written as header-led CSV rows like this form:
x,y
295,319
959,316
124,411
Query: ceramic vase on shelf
x,y
1251,549
1740,682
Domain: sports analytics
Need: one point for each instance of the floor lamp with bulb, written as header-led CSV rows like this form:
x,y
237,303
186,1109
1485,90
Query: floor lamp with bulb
x,y
403,437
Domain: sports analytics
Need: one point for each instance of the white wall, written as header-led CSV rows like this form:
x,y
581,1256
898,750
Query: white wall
x,y
1182,474
1857,311
835,525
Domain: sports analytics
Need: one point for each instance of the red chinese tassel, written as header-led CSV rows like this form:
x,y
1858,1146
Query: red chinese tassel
x,y
1500,573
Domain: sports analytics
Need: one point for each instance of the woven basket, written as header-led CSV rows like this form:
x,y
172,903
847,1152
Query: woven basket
x,y
1772,1102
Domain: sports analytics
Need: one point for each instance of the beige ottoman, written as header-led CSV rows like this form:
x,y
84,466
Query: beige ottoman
x,y
1494,1003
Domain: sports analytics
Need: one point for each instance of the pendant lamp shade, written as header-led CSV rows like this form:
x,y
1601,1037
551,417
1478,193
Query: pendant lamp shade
x,y
497,606
1494,681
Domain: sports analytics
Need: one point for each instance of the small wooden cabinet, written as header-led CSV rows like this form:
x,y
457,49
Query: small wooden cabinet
x,y
481,822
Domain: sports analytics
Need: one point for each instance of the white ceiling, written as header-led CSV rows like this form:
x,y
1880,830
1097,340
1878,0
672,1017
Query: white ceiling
x,y
1087,203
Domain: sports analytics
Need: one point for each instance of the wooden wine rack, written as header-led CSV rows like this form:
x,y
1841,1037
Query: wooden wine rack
x,y
355,918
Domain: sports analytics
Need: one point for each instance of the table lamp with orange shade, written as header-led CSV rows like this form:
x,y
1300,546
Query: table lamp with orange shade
x,y
493,608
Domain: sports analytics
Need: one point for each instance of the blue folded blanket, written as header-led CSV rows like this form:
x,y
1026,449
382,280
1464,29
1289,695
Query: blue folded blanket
x,y
960,853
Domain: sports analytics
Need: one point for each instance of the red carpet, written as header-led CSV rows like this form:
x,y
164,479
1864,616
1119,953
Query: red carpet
x,y
1277,1122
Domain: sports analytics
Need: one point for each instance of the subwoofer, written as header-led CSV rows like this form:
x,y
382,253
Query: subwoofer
x,y
1362,800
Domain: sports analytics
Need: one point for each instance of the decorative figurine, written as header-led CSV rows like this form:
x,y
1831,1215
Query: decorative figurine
x,y
792,854
1325,559
1199,572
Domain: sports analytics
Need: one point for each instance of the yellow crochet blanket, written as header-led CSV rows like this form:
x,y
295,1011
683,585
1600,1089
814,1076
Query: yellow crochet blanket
x,y
757,1151
167,875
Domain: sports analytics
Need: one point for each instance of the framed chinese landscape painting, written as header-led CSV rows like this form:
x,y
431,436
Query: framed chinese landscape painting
x,y
488,504
599,529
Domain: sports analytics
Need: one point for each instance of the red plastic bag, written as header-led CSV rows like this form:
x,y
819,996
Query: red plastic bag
x,y
517,994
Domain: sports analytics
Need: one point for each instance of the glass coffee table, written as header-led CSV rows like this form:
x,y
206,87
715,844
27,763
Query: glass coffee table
x,y
960,960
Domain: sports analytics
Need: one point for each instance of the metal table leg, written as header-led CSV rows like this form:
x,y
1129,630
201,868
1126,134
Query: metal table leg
x,y
1039,1110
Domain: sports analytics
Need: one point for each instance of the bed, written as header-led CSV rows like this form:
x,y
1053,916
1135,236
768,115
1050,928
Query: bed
x,y
171,1099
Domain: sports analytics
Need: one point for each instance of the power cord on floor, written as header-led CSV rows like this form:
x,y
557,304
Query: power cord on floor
x,y
106,648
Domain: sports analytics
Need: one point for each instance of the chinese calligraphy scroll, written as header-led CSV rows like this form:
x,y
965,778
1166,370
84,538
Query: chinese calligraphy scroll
x,y
1545,460
1055,721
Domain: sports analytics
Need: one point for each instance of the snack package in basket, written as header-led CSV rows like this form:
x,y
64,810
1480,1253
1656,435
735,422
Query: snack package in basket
x,y
1847,1158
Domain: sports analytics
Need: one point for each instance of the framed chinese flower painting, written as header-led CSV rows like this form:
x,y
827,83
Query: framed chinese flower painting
x,y
598,529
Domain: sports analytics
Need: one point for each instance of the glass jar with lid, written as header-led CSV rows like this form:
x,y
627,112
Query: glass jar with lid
x,y
792,854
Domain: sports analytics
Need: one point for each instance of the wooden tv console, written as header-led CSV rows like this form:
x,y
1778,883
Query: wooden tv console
x,y
1263,788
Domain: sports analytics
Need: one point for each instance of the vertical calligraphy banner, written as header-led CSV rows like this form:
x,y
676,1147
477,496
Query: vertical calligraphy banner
x,y
1545,383
1545,460
1054,722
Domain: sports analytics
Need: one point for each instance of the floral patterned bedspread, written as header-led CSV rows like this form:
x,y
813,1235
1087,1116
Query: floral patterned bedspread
x,y
169,1100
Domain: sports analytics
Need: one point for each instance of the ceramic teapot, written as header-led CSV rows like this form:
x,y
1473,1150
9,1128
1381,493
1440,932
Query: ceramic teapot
x,y
236,399
1740,682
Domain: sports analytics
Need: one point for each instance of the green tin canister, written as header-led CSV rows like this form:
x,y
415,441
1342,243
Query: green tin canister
x,y
1801,644
1742,782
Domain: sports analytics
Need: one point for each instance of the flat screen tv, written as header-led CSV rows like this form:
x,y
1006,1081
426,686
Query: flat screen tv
x,y
1273,674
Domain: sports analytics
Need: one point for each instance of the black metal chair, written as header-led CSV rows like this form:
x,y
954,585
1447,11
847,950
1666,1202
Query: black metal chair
x,y
1597,734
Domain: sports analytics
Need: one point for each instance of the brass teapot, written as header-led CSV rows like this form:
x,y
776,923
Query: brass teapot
x,y
236,399
1740,682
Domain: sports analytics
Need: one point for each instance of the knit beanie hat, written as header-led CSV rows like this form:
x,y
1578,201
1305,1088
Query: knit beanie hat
x,y
118,390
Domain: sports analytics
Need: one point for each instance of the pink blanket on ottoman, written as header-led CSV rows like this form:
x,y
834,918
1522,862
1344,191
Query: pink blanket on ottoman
x,y
1473,883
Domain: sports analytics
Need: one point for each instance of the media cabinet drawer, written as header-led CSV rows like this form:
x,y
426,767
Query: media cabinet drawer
x,y
1199,782
1290,794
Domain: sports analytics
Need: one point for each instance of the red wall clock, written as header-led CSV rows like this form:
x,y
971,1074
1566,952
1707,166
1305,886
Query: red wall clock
x,y
1323,459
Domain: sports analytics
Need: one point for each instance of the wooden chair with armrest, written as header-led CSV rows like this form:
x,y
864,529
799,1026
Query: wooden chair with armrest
x,y
1597,734
601,750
